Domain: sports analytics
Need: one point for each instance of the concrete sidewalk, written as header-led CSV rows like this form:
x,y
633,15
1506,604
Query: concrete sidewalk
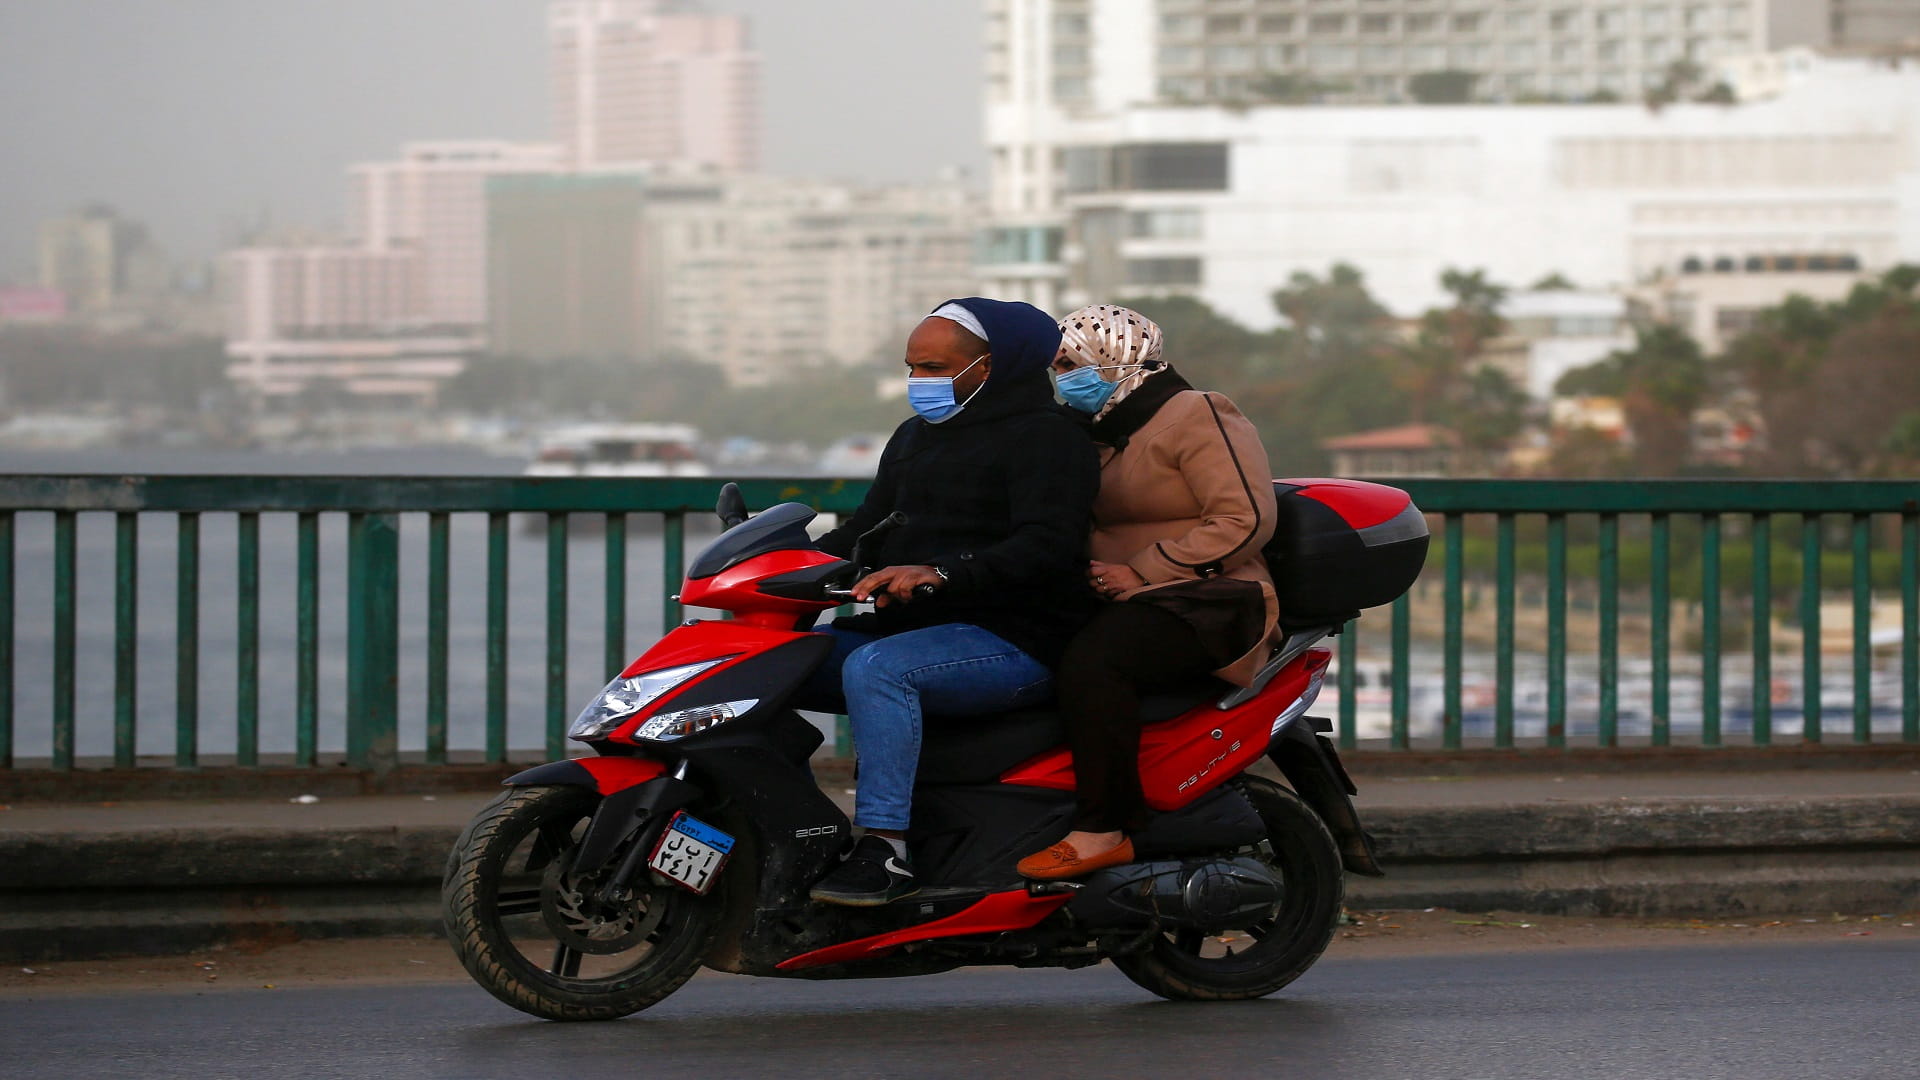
x,y
151,876
1376,792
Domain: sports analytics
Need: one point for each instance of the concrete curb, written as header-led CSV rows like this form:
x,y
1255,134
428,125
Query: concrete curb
x,y
1652,857
156,891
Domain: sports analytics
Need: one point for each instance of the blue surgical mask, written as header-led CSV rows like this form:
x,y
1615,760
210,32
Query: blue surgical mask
x,y
1083,389
932,397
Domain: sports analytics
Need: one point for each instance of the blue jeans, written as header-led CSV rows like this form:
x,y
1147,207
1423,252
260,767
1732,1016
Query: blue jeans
x,y
889,682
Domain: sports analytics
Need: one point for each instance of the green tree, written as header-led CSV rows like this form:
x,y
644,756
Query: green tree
x,y
1832,381
1208,348
1331,320
44,368
1659,382
1432,364
1287,88
1488,411
1450,87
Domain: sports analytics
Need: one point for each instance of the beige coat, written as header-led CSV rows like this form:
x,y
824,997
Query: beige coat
x,y
1190,498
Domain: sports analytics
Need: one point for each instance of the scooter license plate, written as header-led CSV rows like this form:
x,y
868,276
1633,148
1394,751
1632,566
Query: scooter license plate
x,y
691,852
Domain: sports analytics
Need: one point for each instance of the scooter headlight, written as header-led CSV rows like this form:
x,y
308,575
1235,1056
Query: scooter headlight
x,y
627,695
678,725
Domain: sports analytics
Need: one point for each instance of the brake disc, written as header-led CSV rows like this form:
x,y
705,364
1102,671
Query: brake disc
x,y
579,921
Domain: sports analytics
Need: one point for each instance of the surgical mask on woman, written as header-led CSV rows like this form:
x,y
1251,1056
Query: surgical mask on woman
x,y
1085,389
932,395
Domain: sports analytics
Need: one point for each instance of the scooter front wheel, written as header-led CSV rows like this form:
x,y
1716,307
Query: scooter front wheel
x,y
535,935
1188,965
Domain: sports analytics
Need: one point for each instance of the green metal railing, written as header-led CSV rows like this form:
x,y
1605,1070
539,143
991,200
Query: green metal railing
x,y
373,508
1557,542
1658,510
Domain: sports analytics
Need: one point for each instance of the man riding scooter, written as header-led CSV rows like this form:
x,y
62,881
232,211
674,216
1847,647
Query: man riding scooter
x,y
979,592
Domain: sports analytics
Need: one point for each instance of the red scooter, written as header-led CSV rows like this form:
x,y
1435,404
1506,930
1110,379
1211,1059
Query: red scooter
x,y
592,888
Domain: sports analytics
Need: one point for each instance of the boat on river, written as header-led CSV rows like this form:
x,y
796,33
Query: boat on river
x,y
619,449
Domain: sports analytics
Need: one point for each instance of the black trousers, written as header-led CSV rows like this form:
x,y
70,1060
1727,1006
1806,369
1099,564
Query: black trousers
x,y
1129,649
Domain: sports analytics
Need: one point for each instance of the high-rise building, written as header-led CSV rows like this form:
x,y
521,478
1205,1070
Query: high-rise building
x,y
1862,25
1225,203
99,259
397,303
763,277
352,316
433,201
770,276
568,267
1084,56
651,82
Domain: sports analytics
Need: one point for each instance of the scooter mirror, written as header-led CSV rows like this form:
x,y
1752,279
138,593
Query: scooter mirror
x,y
732,506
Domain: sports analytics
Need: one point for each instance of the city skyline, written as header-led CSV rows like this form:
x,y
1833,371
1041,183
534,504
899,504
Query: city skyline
x,y
183,111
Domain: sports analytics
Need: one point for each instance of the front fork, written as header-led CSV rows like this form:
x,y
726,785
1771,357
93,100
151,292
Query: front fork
x,y
631,810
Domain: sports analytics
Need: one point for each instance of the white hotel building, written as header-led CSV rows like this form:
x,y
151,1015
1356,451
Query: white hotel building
x,y
1103,186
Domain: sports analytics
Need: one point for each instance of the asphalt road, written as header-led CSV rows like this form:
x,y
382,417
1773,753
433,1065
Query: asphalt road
x,y
1829,1011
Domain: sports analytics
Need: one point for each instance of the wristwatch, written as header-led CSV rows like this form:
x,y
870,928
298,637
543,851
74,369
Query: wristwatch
x,y
945,578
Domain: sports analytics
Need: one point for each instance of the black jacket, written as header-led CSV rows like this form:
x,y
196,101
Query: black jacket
x,y
1000,496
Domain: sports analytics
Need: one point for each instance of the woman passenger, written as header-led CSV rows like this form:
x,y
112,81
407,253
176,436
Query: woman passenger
x,y
1185,505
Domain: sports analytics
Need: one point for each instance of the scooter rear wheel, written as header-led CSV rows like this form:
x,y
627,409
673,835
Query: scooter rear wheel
x,y
1188,965
533,934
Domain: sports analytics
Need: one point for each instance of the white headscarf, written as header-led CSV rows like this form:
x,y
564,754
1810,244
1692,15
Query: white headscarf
x,y
1109,336
956,313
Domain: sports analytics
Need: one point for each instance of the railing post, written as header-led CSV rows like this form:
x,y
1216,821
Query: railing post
x,y
1762,651
64,632
556,635
1399,726
126,638
1453,619
438,559
1608,732
1710,630
6,639
497,567
1557,630
1349,697
186,668
1910,627
1862,628
673,567
615,644
1660,626
306,615
1503,634
373,641
1810,627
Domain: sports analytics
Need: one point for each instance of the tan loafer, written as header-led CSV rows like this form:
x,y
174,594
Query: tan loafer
x,y
1061,861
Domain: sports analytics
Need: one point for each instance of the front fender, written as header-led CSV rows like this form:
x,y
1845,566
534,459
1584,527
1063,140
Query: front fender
x,y
605,775
636,795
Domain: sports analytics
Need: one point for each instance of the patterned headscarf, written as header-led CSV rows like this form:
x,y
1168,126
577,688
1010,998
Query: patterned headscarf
x,y
1107,336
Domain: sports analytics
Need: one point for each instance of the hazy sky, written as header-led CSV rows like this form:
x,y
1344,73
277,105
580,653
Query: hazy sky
x,y
196,115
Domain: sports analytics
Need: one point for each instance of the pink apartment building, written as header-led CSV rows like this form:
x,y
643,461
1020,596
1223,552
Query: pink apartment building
x,y
638,85
433,201
639,82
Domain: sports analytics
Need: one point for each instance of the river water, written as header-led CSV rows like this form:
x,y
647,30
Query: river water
x,y
33,656
156,680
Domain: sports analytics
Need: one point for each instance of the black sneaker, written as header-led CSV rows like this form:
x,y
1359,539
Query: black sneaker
x,y
869,876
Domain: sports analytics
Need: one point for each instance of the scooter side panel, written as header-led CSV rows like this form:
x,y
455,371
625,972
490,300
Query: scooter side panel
x,y
1187,757
704,639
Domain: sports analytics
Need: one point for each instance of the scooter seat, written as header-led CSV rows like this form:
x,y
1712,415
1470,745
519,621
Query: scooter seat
x,y
977,749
